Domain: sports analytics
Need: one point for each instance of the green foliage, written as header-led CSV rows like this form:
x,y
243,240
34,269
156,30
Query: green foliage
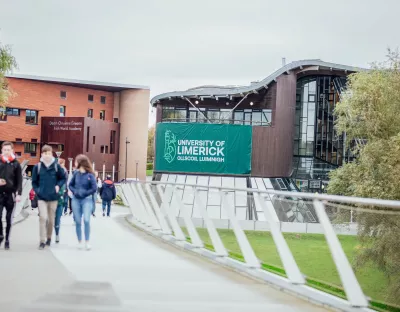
x,y
370,110
149,166
150,145
7,64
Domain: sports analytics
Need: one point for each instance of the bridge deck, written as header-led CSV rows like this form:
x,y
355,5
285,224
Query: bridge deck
x,y
125,271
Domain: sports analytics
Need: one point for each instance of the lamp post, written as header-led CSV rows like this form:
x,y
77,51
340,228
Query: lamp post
x,y
137,163
113,173
126,156
70,165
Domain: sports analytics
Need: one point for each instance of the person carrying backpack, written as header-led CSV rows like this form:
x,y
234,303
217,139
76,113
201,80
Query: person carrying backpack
x,y
82,187
10,188
108,193
60,204
47,179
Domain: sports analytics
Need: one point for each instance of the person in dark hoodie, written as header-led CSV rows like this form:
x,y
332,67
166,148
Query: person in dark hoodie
x,y
10,187
107,193
82,187
60,206
47,179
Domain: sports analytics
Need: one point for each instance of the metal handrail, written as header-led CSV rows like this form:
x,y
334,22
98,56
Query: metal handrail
x,y
323,197
161,219
221,121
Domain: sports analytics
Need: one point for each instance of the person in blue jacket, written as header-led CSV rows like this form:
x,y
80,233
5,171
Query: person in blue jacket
x,y
82,187
107,193
47,179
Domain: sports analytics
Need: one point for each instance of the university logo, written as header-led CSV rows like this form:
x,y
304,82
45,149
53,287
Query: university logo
x,y
170,146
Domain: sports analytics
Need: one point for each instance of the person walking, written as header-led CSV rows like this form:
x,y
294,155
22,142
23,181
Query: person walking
x,y
47,179
69,198
108,193
10,188
61,199
82,187
98,182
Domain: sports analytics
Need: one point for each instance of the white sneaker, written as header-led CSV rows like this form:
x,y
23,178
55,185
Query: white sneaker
x,y
80,246
88,247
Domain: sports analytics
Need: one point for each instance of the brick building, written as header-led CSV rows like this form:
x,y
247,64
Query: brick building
x,y
37,97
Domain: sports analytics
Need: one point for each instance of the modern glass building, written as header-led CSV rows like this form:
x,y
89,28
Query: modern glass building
x,y
294,141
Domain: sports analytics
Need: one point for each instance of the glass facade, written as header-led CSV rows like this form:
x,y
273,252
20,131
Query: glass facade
x,y
318,148
315,135
255,117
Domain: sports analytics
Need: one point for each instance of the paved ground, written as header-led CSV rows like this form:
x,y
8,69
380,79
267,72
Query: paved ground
x,y
125,271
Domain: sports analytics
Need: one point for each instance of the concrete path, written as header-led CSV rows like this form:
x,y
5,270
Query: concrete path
x,y
126,270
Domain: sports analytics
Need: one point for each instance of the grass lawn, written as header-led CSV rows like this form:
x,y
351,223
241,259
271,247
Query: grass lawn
x,y
149,173
312,255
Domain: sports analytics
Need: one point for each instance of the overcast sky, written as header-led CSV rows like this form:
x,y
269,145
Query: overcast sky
x,y
176,44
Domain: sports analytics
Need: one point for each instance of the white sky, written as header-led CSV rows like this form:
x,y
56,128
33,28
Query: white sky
x,y
176,44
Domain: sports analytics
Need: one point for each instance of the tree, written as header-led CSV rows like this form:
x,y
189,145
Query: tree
x,y
150,144
370,110
7,64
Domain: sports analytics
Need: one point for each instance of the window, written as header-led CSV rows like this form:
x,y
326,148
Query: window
x,y
94,140
87,139
63,94
256,118
103,100
31,117
60,148
90,113
12,111
34,140
112,141
103,115
116,120
62,111
238,117
18,154
18,140
266,118
102,149
3,114
29,148
90,97
106,149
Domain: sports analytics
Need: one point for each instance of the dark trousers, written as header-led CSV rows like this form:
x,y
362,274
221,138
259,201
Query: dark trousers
x,y
6,201
57,221
67,203
106,203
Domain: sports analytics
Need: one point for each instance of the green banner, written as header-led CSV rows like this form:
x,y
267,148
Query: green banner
x,y
203,148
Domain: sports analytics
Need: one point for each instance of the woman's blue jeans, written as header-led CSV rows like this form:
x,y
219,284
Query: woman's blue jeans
x,y
82,207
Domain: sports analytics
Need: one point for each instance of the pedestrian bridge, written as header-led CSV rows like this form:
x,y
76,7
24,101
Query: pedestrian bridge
x,y
142,261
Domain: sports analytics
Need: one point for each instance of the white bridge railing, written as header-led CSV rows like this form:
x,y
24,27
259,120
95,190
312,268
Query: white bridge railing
x,y
154,204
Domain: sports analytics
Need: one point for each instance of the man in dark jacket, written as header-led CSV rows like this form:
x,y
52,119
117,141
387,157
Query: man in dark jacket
x,y
10,187
47,179
107,194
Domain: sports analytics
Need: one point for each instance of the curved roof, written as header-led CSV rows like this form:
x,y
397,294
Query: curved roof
x,y
233,90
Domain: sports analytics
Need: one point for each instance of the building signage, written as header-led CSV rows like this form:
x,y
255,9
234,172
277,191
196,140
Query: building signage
x,y
66,125
314,184
203,148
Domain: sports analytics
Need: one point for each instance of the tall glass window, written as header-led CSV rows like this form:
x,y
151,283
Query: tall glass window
x,y
315,135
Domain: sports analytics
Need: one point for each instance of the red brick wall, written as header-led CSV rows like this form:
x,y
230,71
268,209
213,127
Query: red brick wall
x,y
45,97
